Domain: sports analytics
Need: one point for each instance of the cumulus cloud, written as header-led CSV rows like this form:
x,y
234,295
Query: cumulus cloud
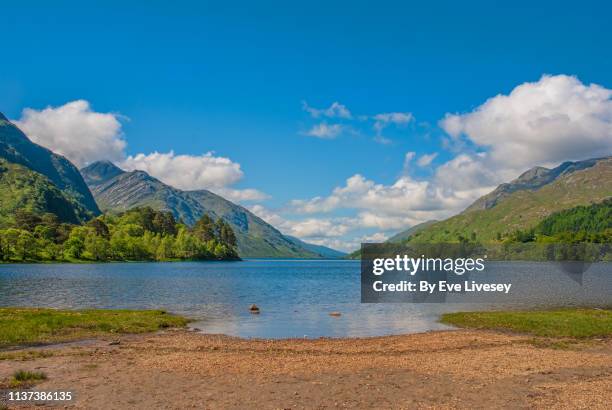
x,y
241,195
406,198
85,136
324,130
426,159
336,110
555,119
186,171
309,228
269,216
75,131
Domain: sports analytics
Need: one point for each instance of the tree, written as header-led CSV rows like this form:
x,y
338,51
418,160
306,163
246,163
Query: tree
x,y
26,220
26,245
226,233
49,219
10,238
204,228
96,247
165,249
75,244
99,227
164,223
45,232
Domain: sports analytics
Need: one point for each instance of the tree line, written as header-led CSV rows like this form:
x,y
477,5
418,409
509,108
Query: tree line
x,y
582,224
140,234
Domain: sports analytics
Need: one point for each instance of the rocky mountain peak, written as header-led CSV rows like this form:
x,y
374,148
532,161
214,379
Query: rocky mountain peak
x,y
100,172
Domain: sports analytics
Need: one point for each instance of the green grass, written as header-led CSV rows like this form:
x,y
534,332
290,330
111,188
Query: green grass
x,y
25,378
32,326
572,323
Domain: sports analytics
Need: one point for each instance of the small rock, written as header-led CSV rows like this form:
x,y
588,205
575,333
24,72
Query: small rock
x,y
115,343
254,309
335,314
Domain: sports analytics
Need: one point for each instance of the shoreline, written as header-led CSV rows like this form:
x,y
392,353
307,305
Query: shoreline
x,y
442,369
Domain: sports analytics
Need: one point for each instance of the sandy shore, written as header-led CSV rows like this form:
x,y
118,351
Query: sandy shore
x,y
451,369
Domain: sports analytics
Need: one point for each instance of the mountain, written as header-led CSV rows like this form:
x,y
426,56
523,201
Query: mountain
x,y
22,188
118,190
16,148
527,200
324,251
403,235
532,180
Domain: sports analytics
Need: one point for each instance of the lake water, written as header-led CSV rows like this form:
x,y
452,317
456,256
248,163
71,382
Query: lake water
x,y
295,296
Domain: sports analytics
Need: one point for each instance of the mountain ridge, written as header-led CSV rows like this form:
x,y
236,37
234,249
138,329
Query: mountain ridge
x,y
522,203
118,190
532,179
17,148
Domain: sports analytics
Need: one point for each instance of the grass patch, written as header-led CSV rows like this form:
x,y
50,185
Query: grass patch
x,y
22,378
31,326
572,323
23,356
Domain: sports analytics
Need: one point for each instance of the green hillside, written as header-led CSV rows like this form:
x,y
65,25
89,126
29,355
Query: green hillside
x,y
15,147
592,223
584,183
24,189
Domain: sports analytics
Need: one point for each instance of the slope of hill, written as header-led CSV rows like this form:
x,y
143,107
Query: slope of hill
x,y
403,235
324,251
525,201
591,220
117,190
22,188
16,148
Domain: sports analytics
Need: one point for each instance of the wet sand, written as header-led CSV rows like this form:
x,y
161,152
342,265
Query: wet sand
x,y
449,369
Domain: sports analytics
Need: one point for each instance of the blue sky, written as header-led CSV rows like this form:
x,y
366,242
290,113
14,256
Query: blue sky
x,y
232,79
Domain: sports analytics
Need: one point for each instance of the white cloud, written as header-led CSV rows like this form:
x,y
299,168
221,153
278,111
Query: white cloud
x,y
324,130
406,200
375,237
75,131
383,140
186,171
336,110
318,228
426,159
269,216
381,121
241,195
407,160
310,228
555,119
85,136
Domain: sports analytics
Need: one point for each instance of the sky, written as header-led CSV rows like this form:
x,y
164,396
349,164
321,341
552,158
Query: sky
x,y
337,122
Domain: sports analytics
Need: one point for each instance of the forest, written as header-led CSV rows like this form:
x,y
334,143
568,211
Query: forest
x,y
582,224
140,234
